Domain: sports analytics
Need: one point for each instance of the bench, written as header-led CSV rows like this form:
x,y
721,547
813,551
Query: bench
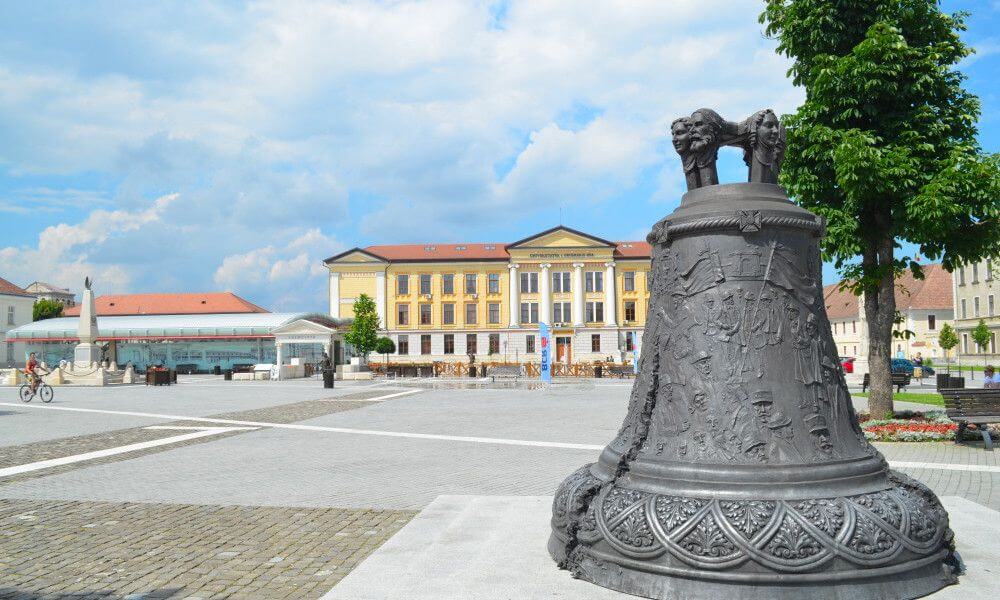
x,y
505,372
621,371
968,405
900,380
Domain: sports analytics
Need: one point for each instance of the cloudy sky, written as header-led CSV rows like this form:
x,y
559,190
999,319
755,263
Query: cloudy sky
x,y
216,145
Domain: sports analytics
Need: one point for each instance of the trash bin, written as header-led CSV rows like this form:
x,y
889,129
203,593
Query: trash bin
x,y
328,378
217,370
228,375
472,370
598,371
943,381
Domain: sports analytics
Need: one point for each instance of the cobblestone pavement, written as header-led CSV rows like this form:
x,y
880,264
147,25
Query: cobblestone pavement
x,y
52,549
166,520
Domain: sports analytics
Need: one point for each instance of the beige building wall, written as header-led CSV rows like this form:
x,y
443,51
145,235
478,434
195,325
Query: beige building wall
x,y
976,297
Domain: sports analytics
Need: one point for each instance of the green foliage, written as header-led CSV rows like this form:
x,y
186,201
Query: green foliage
x,y
363,334
947,339
385,345
46,309
981,335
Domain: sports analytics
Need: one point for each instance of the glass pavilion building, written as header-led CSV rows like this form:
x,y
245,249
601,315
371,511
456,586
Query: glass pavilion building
x,y
199,342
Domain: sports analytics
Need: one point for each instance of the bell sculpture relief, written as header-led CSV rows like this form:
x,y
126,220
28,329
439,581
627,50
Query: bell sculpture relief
x,y
740,470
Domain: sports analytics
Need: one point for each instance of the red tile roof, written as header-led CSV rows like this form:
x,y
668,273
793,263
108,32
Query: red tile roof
x,y
169,304
478,252
840,304
933,292
433,252
930,293
9,289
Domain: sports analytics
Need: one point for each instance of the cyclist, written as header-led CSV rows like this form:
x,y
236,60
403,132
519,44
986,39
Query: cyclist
x,y
31,370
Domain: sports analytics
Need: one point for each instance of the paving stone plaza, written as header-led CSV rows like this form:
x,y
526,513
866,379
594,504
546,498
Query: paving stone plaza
x,y
213,489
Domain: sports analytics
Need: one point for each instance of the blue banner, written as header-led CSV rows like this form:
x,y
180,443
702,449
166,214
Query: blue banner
x,y
546,342
635,353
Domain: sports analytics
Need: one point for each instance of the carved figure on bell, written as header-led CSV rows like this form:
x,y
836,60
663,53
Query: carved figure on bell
x,y
765,146
697,139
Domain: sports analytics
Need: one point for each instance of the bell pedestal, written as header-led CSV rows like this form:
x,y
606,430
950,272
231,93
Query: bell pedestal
x,y
740,470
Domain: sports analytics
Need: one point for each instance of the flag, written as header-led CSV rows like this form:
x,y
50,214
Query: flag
x,y
546,342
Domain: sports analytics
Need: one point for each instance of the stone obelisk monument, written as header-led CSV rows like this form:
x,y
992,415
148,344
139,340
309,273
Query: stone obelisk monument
x,y
87,353
740,470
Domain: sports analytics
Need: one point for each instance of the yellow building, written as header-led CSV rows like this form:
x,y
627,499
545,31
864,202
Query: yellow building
x,y
442,302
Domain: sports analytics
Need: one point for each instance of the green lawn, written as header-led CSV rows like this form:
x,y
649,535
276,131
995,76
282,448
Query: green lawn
x,y
934,399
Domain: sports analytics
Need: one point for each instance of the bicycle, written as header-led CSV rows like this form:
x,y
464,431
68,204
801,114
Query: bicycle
x,y
43,391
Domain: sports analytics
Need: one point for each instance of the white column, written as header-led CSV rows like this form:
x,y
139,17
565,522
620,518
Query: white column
x,y
578,295
545,287
278,345
609,295
380,298
335,294
513,296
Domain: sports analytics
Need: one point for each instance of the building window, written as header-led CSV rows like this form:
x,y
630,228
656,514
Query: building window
x,y
403,345
425,283
10,353
529,344
931,322
990,305
449,343
425,314
529,283
961,276
993,343
402,314
561,312
845,351
402,284
493,283
594,281
989,271
629,341
595,312
448,283
470,313
560,282
470,344
529,312
595,342
493,312
975,306
10,315
975,273
494,343
630,311
965,314
470,283
425,343
854,326
448,313
855,348
629,281
965,343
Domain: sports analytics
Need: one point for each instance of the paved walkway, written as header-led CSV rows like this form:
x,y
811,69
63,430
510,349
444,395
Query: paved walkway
x,y
372,452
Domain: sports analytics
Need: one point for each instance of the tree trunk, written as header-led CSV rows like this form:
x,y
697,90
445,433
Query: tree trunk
x,y
880,309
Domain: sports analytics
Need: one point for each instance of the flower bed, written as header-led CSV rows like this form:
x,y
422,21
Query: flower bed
x,y
909,426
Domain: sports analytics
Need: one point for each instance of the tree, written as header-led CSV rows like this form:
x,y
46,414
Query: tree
x,y
385,346
884,147
981,336
947,339
363,333
46,309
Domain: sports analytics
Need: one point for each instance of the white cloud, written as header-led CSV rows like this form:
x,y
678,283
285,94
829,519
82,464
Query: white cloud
x,y
287,126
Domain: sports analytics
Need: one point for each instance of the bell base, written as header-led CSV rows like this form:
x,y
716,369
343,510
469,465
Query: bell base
x,y
916,580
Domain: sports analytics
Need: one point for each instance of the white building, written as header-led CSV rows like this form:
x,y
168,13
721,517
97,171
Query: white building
x,y
15,310
47,291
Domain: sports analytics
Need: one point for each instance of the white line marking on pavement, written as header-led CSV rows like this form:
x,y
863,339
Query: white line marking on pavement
x,y
376,399
433,436
185,428
949,467
56,462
